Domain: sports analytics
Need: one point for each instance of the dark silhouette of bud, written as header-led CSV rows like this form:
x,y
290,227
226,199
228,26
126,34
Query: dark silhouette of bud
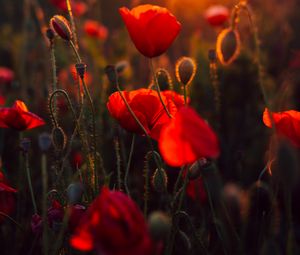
x,y
111,73
159,225
50,34
45,141
25,145
81,69
159,180
74,193
185,70
228,46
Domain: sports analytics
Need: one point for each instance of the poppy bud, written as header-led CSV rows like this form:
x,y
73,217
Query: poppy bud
x,y
36,224
59,138
194,171
228,46
159,225
185,70
159,180
74,193
81,69
61,26
55,215
75,214
50,34
164,79
25,145
45,141
111,73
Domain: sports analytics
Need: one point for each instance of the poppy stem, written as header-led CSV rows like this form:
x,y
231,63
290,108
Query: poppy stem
x,y
75,51
54,74
45,189
29,182
184,94
158,88
128,165
69,7
12,220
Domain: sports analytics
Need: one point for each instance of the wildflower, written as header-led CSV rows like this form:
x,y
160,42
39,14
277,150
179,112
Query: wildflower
x,y
216,15
113,225
147,107
94,29
287,124
6,75
151,28
18,117
7,199
187,138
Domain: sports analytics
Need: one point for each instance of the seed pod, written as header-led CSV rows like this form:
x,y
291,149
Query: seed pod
x,y
61,26
44,141
164,79
159,225
185,70
228,46
159,180
59,138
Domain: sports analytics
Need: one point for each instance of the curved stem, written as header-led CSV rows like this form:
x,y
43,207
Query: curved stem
x,y
158,88
128,165
30,183
12,220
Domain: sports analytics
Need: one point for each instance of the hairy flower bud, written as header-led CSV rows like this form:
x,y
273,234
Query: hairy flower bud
x,y
159,225
111,73
159,180
81,69
185,70
164,79
61,26
228,46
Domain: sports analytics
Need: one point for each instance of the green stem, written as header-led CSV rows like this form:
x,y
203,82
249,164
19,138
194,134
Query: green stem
x,y
158,88
54,74
30,183
12,220
45,189
128,165
72,22
75,51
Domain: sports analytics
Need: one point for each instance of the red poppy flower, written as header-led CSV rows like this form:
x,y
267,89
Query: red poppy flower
x,y
7,199
78,7
6,75
95,29
187,138
18,117
216,15
151,28
147,107
113,225
287,124
55,213
176,98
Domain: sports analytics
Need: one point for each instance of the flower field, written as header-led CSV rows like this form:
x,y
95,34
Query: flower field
x,y
140,127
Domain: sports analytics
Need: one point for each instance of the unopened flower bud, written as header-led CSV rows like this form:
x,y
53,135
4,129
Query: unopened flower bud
x,y
159,180
194,171
111,73
59,138
159,225
45,141
164,79
185,70
81,69
228,46
61,26
74,193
